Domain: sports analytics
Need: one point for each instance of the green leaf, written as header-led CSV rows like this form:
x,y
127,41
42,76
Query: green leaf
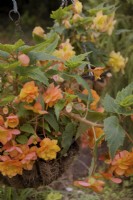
x,y
4,101
110,106
59,14
38,75
43,56
76,61
50,118
128,101
27,128
114,134
81,129
121,95
58,107
18,44
4,54
67,136
22,139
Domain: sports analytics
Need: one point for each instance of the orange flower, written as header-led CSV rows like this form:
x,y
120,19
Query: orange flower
x,y
66,51
88,137
48,149
1,120
95,96
7,134
11,168
12,121
29,92
91,182
122,164
52,95
97,72
37,108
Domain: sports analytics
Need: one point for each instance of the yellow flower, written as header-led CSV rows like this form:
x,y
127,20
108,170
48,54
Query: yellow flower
x,y
104,23
77,7
117,62
65,51
96,98
52,95
38,31
11,168
48,149
29,92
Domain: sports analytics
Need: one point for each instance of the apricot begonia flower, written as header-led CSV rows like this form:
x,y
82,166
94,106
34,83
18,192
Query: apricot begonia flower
x,y
91,182
104,23
117,62
29,92
52,95
65,51
7,134
1,120
37,108
122,164
77,7
95,96
48,149
88,137
97,72
11,168
12,121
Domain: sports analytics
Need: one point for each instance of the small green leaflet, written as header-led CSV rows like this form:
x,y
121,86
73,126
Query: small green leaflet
x,y
114,134
22,139
50,118
27,128
58,107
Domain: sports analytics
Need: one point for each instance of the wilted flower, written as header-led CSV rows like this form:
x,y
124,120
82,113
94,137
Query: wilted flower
x,y
12,121
88,138
48,149
52,95
1,120
77,7
37,108
97,72
29,92
117,62
104,23
91,182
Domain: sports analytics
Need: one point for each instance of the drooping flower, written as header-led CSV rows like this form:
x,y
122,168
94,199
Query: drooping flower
x,y
12,121
65,51
37,108
29,92
48,149
95,96
117,62
77,7
122,164
104,23
52,95
91,182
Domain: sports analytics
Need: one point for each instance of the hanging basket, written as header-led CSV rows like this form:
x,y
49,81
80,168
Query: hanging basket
x,y
43,173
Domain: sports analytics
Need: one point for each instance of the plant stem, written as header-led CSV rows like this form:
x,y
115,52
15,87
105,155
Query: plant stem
x,y
78,118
